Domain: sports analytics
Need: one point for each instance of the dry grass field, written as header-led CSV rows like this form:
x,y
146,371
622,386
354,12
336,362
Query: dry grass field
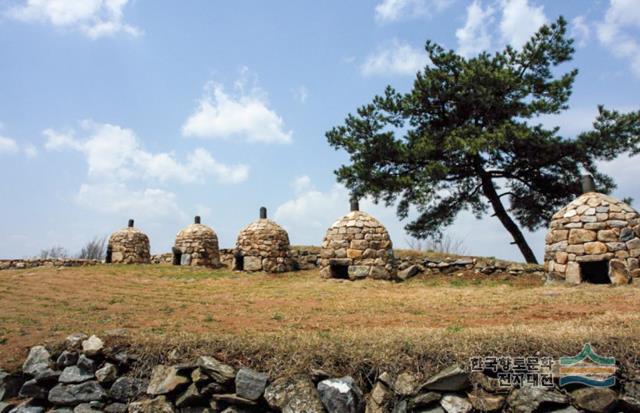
x,y
297,320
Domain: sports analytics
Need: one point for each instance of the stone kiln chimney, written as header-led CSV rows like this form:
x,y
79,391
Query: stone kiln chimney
x,y
130,223
196,220
355,206
587,184
263,213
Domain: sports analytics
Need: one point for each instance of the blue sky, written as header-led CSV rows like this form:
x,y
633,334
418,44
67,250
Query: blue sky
x,y
160,110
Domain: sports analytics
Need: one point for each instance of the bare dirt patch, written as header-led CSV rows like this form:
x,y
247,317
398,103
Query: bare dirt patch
x,y
460,313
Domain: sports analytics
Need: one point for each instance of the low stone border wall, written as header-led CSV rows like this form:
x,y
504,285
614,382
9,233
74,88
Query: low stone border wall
x,y
304,258
412,264
35,262
87,376
409,263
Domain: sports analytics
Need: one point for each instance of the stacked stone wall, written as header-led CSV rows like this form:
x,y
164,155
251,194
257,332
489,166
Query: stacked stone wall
x,y
48,262
85,375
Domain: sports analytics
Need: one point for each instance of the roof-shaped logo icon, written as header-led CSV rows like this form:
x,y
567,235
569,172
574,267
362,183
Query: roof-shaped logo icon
x,y
588,368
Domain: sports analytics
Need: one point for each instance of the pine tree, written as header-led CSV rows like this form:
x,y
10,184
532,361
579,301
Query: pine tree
x,y
465,137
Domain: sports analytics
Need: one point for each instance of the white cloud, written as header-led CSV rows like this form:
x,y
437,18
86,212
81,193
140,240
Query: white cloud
x,y
301,183
580,31
619,31
473,37
94,18
30,151
519,21
246,115
301,94
311,212
393,10
397,58
624,170
60,140
203,210
118,198
114,153
8,145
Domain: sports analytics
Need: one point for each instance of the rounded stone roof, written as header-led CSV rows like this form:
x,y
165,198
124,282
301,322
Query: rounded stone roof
x,y
264,229
197,231
594,203
128,233
358,219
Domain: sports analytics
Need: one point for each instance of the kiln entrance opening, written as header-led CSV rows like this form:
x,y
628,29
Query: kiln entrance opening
x,y
595,272
339,271
238,262
177,256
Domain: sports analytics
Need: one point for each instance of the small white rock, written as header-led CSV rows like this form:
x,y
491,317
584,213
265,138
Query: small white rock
x,y
107,374
452,403
92,346
75,340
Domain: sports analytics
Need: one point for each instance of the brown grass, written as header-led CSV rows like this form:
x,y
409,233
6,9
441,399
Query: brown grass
x,y
295,321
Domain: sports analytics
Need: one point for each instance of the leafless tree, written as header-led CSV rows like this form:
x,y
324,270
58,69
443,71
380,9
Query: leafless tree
x,y
94,249
445,243
55,252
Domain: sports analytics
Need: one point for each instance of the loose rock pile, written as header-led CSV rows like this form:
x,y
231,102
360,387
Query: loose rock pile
x,y
166,258
594,227
88,377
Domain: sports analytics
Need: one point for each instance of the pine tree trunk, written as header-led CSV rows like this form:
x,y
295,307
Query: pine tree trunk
x,y
490,192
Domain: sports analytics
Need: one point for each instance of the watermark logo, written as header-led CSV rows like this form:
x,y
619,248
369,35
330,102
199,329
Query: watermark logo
x,y
589,368
516,371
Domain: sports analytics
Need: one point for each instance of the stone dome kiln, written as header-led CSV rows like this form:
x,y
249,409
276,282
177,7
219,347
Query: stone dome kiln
x,y
197,244
128,246
594,239
357,246
263,246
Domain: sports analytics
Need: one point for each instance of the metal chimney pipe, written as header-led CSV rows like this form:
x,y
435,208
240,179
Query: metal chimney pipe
x,y
263,213
355,205
196,220
131,223
587,184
